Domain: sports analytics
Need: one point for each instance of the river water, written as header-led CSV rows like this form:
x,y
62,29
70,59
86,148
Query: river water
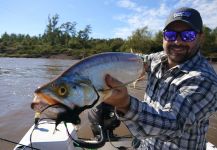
x,y
19,77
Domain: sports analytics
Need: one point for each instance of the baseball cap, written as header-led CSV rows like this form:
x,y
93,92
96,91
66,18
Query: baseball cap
x,y
187,15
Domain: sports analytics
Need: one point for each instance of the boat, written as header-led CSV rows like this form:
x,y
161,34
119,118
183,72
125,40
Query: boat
x,y
44,136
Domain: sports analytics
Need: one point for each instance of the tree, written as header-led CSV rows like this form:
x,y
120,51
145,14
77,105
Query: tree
x,y
5,37
214,34
208,44
140,41
116,44
156,45
83,36
68,31
52,32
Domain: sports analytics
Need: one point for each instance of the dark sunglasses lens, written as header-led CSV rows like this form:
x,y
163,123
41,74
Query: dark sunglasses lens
x,y
170,35
188,36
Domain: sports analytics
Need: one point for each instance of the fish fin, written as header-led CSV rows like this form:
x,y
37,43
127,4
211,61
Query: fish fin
x,y
85,81
81,79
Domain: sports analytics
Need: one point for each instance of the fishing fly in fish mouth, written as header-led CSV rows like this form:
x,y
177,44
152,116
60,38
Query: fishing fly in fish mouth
x,y
82,85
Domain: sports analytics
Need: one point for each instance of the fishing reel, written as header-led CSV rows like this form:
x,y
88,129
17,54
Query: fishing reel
x,y
103,121
104,116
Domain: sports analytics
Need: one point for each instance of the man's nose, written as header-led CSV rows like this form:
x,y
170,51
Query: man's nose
x,y
178,40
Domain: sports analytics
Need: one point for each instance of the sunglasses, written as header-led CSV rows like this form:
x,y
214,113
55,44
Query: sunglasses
x,y
186,36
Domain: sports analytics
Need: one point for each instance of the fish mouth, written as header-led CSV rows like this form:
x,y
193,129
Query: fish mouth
x,y
41,101
47,106
45,98
50,108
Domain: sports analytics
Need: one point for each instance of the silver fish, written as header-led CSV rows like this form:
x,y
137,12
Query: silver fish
x,y
84,82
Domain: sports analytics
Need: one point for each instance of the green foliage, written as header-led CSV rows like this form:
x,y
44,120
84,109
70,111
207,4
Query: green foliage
x,y
209,44
115,44
139,41
157,42
65,39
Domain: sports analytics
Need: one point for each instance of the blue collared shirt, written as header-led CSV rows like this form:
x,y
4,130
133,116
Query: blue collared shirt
x,y
177,105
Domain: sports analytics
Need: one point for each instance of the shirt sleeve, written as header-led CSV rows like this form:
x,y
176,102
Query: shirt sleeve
x,y
193,101
148,58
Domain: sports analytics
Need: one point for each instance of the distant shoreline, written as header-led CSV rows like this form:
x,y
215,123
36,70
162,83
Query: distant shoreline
x,y
56,56
62,56
65,56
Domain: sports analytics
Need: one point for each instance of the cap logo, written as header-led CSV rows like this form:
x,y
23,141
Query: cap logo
x,y
182,14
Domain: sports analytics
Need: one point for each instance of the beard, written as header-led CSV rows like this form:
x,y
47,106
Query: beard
x,y
178,53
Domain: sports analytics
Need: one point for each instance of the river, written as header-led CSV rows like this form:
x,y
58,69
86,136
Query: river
x,y
19,77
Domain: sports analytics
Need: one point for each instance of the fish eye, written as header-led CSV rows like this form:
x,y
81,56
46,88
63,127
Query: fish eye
x,y
62,90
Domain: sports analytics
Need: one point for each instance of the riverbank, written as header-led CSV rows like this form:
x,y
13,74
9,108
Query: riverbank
x,y
61,56
70,57
55,56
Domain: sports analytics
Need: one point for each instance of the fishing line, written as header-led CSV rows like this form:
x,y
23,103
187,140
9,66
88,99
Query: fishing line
x,y
120,147
9,141
122,85
70,136
37,119
37,114
30,138
36,124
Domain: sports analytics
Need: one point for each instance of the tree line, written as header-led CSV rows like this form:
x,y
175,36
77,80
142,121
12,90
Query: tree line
x,y
66,39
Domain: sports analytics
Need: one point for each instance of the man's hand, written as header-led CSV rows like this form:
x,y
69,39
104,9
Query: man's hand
x,y
120,97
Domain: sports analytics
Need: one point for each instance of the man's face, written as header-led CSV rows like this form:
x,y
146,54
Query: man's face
x,y
179,51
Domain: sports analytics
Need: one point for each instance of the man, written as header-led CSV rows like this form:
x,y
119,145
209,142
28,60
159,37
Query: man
x,y
181,92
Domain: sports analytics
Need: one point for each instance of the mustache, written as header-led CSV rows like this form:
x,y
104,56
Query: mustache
x,y
178,46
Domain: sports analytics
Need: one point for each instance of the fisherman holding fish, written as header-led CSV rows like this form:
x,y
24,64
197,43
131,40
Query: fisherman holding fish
x,y
180,96
181,91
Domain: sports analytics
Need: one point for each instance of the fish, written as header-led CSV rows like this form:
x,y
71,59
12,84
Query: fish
x,y
83,84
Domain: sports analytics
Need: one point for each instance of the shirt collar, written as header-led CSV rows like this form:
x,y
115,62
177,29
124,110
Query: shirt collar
x,y
191,63
187,65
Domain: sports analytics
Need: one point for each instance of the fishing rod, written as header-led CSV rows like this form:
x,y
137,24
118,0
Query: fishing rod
x,y
21,145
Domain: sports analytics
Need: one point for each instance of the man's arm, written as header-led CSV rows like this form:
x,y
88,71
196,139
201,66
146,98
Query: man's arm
x,y
190,103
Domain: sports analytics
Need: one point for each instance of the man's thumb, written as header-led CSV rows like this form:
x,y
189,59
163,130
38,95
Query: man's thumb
x,y
111,82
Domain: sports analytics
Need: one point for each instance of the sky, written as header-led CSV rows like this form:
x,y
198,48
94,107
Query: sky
x,y
107,18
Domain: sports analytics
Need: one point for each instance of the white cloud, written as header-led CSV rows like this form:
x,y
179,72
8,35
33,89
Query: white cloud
x,y
155,17
140,16
207,9
129,5
208,12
